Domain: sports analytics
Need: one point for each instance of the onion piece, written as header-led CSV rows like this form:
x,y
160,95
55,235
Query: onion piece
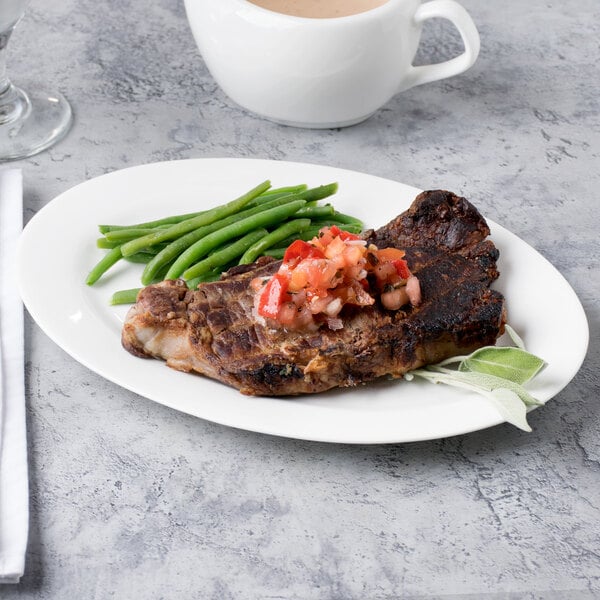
x,y
413,289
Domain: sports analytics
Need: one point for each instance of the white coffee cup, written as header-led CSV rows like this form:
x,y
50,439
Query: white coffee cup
x,y
322,72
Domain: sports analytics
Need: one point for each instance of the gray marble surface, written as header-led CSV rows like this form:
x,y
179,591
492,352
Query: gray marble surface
x,y
132,500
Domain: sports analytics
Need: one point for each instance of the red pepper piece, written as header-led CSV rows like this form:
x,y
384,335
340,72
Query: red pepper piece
x,y
273,296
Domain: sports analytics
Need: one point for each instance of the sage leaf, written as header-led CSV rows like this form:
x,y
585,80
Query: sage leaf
x,y
510,363
510,407
496,373
487,382
514,336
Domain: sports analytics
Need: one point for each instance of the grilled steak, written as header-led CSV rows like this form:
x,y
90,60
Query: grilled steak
x,y
212,330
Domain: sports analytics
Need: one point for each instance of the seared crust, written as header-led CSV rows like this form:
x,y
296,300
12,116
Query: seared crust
x,y
212,330
437,219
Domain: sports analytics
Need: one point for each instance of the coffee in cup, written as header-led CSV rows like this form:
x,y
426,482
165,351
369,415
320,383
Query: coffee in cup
x,y
319,9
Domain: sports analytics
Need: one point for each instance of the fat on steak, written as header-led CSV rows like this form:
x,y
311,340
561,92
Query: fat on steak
x,y
212,331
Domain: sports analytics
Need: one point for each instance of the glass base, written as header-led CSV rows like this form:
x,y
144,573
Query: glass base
x,y
35,122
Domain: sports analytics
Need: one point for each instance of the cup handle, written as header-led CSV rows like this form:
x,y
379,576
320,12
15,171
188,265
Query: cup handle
x,y
460,18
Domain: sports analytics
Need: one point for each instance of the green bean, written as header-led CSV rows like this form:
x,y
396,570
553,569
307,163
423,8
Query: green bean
x,y
130,233
290,189
316,212
151,224
125,296
104,244
226,254
110,258
184,227
275,252
311,195
320,192
307,234
141,257
171,252
349,227
347,219
212,275
277,235
202,247
266,198
176,247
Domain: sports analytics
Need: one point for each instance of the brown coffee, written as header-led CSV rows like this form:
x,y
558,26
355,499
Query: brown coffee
x,y
319,9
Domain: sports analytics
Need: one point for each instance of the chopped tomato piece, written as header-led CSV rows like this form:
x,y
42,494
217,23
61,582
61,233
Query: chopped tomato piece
x,y
402,268
390,254
313,273
353,255
335,247
299,250
272,296
396,257
385,271
299,278
343,235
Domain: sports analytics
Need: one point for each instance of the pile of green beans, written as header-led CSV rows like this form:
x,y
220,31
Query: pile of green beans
x,y
199,246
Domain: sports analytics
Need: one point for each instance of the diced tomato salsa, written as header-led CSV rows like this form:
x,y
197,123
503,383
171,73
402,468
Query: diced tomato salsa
x,y
334,269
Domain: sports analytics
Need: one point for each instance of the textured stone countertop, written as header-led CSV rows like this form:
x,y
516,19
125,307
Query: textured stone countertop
x,y
130,499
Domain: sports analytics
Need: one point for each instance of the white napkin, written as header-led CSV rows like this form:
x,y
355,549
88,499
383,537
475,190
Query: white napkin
x,y
14,488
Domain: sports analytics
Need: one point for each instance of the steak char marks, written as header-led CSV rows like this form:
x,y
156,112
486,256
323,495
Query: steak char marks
x,y
212,330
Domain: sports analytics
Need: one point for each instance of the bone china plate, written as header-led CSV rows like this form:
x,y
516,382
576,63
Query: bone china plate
x,y
80,320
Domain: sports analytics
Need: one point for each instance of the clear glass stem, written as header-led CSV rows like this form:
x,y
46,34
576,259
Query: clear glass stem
x,y
29,122
4,37
13,101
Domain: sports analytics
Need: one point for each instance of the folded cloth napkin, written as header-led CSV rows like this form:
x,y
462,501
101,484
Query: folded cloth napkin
x,y
14,492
